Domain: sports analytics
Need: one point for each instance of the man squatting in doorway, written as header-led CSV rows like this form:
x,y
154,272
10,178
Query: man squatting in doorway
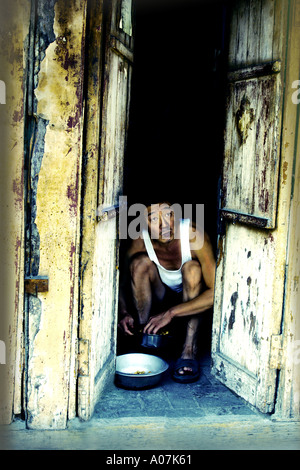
x,y
168,263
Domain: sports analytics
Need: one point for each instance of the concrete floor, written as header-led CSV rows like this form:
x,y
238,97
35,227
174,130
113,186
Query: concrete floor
x,y
171,417
206,397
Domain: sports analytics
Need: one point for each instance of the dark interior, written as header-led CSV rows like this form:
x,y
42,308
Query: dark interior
x,y
174,148
175,138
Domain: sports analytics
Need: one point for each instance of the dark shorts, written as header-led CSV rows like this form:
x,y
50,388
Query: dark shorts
x,y
171,298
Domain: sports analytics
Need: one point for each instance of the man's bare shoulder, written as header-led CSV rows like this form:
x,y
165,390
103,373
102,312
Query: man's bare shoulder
x,y
199,239
136,246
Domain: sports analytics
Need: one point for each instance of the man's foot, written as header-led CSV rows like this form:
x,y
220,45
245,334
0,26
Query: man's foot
x,y
186,370
186,356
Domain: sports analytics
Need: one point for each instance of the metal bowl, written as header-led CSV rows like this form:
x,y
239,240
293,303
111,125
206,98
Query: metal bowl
x,y
138,371
155,341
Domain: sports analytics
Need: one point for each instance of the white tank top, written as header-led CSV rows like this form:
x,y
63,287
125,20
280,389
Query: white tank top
x,y
172,278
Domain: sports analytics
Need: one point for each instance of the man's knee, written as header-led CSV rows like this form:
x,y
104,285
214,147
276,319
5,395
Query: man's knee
x,y
140,265
192,273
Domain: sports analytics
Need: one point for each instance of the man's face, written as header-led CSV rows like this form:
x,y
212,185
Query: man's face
x,y
161,223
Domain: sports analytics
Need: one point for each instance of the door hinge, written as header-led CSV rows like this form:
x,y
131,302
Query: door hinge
x,y
83,357
105,213
35,284
276,356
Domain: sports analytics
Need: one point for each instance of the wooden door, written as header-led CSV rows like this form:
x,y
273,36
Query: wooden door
x,y
14,24
99,272
54,128
250,266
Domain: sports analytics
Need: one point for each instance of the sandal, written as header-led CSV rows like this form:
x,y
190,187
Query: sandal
x,y
187,376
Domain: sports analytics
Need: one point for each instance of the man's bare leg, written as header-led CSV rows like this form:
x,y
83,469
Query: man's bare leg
x,y
192,286
145,281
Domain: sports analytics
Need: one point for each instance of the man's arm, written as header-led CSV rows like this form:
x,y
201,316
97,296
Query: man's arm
x,y
205,299
126,321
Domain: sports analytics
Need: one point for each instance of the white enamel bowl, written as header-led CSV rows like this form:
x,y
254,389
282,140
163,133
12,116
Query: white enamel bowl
x,y
138,371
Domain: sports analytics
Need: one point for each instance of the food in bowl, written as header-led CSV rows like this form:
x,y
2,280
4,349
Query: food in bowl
x,y
159,333
138,371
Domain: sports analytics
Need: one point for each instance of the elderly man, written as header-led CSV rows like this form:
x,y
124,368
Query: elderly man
x,y
172,275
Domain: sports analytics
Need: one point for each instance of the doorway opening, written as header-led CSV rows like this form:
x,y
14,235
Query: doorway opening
x,y
175,137
174,152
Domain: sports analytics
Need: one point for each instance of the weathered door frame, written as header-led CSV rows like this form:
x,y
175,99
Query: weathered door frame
x,y
15,19
288,392
90,183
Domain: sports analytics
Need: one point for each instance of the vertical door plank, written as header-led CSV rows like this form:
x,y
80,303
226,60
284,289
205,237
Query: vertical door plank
x,y
288,398
53,315
87,328
266,31
14,26
254,29
100,327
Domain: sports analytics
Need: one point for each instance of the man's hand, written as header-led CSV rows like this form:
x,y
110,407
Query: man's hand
x,y
158,322
127,324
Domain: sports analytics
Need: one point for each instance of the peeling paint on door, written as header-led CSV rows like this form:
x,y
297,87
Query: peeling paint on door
x,y
55,210
233,301
249,280
14,25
